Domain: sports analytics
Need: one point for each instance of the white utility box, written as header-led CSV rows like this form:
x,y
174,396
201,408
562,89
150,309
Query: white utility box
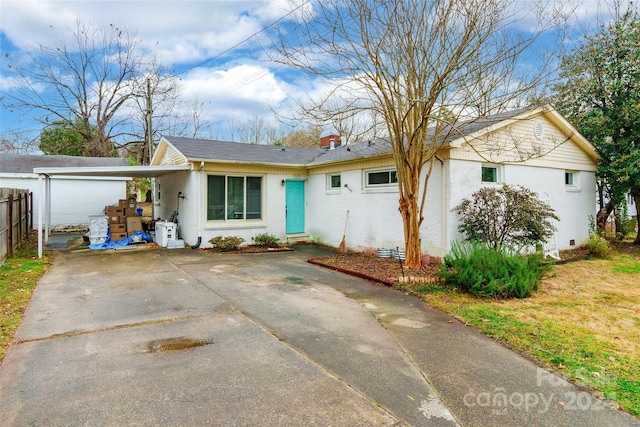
x,y
165,231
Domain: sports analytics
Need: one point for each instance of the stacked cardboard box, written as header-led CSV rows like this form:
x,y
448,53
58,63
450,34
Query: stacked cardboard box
x,y
122,218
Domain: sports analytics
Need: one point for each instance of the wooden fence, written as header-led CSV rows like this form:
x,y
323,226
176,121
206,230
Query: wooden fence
x,y
16,219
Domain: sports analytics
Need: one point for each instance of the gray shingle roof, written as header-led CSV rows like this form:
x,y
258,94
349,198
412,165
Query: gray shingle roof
x,y
204,149
24,163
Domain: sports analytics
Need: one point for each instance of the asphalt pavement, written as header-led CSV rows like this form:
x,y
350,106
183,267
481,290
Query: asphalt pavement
x,y
186,337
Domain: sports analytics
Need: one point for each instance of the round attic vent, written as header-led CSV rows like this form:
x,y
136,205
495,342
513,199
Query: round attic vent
x,y
538,129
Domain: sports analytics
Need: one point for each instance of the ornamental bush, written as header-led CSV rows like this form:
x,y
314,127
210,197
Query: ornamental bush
x,y
598,246
487,272
266,240
506,216
228,243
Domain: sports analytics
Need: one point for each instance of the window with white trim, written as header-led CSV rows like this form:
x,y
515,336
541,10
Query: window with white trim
x,y
490,174
571,178
232,198
381,177
334,181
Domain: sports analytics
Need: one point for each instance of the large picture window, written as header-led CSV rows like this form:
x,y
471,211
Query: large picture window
x,y
234,197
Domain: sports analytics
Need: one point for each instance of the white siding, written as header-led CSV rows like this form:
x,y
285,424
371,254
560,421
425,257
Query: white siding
x,y
516,142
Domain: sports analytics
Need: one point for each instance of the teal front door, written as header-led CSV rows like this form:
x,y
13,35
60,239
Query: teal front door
x,y
295,207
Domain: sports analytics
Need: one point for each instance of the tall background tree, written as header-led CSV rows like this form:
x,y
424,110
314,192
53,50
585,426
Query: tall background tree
x,y
418,66
64,138
94,82
600,94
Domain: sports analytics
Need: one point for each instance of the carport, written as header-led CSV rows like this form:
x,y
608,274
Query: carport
x,y
44,182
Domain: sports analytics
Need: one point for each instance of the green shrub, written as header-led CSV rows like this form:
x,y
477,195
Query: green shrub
x,y
506,215
266,240
487,272
598,246
228,243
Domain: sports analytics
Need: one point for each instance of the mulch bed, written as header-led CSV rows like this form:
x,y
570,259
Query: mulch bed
x,y
371,267
388,270
248,249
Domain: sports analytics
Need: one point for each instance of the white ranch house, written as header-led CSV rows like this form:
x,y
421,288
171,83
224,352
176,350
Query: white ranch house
x,y
236,189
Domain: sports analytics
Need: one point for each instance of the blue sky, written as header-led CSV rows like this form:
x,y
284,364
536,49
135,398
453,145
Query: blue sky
x,y
183,35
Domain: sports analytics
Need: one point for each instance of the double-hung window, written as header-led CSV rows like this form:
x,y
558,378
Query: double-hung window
x,y
234,197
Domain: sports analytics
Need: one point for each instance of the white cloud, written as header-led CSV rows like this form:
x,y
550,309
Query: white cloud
x,y
178,31
237,92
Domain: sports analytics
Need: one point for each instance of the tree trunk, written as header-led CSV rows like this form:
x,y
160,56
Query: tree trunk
x,y
410,212
603,214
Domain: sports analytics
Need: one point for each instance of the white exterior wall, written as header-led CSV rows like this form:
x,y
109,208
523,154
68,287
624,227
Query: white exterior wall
x,y
574,205
72,199
374,220
193,208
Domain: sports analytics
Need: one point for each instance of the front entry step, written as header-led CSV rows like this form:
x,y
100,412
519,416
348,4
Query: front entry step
x,y
297,238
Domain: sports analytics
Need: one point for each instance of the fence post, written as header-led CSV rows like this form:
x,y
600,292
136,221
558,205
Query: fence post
x,y
20,225
10,223
30,227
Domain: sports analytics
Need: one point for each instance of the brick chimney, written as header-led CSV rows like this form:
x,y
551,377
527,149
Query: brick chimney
x,y
330,141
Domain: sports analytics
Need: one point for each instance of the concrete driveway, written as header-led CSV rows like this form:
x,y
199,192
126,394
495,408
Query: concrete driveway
x,y
183,337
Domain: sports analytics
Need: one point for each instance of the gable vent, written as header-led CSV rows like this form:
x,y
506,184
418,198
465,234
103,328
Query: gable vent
x,y
538,129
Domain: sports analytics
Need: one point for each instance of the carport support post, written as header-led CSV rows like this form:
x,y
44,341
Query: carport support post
x,y
47,208
44,211
41,191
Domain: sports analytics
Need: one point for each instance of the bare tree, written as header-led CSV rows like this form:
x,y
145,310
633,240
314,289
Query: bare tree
x,y
308,137
421,66
254,130
18,143
91,79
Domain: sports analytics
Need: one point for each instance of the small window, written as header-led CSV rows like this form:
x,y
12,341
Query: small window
x,y
572,180
334,182
489,174
384,177
569,178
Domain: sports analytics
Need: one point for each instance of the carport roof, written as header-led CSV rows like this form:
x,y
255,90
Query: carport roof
x,y
113,171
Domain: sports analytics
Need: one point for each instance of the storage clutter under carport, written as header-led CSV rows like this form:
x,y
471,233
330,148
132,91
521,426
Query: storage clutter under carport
x,y
121,225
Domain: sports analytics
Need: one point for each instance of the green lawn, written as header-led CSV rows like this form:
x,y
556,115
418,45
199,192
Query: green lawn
x,y
18,278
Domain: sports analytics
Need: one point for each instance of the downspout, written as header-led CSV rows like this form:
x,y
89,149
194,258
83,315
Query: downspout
x,y
443,213
198,207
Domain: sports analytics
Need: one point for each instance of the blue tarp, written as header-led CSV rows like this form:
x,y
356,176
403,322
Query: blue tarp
x,y
138,236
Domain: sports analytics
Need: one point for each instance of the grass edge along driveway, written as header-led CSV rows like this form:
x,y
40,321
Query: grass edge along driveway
x,y
583,323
